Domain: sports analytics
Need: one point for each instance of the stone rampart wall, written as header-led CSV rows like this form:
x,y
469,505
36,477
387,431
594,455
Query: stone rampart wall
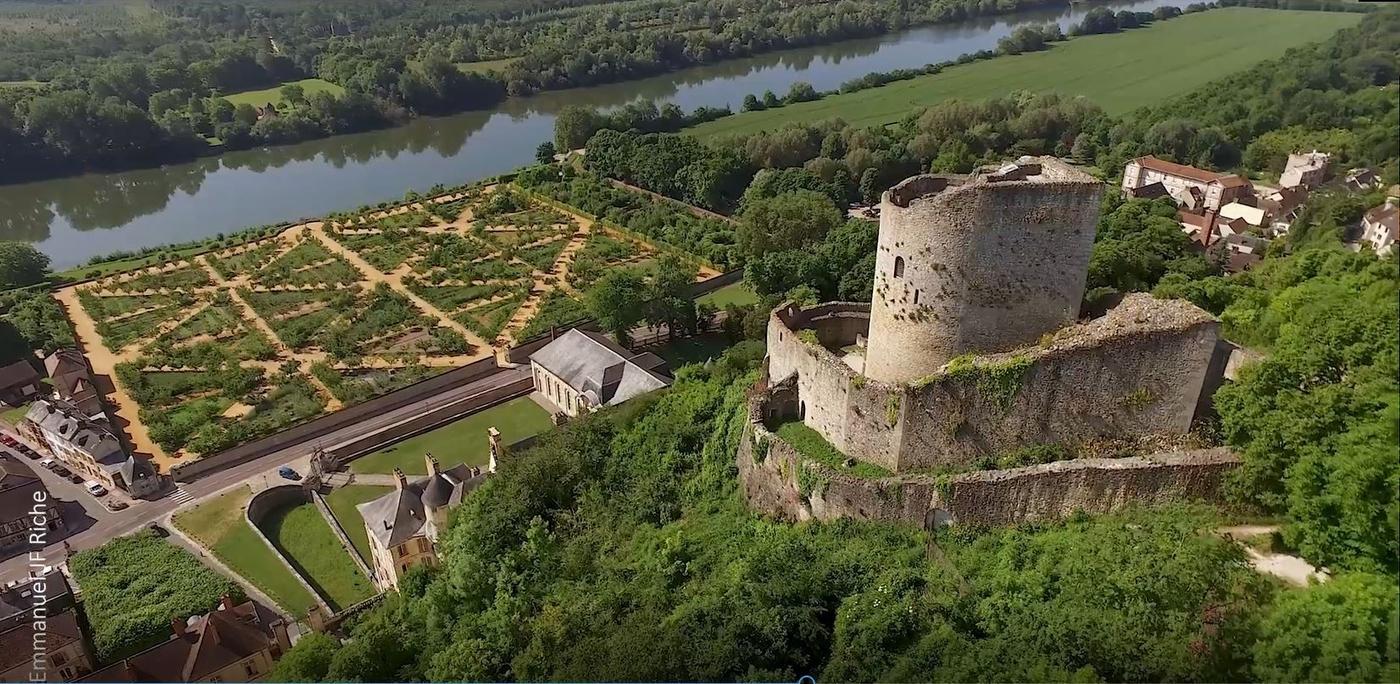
x,y
777,481
265,502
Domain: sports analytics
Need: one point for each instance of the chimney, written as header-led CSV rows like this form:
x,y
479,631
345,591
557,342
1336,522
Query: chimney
x,y
400,481
177,626
226,602
433,467
493,437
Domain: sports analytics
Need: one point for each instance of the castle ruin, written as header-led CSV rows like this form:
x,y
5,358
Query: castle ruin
x,y
971,350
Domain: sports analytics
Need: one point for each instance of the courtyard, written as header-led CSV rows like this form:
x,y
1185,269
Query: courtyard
x,y
462,441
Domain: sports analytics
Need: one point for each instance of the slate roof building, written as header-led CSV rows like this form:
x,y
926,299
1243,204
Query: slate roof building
x,y
19,383
68,371
1380,227
88,446
404,524
583,371
233,643
67,647
19,489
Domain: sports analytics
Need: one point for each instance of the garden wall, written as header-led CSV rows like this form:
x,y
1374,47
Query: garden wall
x,y
432,420
319,427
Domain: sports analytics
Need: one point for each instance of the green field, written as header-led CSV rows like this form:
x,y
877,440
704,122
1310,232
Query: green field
x,y
306,540
343,501
487,65
258,98
218,524
461,442
739,294
1120,72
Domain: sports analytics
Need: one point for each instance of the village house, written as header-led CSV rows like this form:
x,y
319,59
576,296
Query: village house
x,y
19,383
233,643
1305,170
1282,206
1196,189
18,488
67,645
68,373
1362,179
404,524
583,371
87,446
1380,227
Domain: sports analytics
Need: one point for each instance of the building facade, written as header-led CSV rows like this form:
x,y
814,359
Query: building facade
x,y
21,492
1305,170
583,371
1193,188
403,525
67,645
88,446
1380,227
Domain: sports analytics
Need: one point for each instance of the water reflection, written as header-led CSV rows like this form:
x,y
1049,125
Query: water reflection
x,y
182,202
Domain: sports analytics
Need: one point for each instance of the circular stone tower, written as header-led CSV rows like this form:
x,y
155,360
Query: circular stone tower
x,y
983,264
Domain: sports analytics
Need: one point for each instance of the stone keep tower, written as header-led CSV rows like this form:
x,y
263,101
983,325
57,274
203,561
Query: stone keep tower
x,y
983,264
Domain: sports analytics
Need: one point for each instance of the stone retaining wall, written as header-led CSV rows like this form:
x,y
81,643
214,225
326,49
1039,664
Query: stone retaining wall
x,y
265,502
776,480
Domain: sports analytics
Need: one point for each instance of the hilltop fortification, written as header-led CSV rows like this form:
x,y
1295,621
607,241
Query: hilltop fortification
x,y
972,354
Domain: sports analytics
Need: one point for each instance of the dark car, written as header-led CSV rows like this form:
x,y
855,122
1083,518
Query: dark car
x,y
76,478
62,472
8,440
31,454
115,505
288,473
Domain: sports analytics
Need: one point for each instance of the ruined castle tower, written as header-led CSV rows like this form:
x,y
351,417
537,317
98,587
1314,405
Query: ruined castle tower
x,y
982,264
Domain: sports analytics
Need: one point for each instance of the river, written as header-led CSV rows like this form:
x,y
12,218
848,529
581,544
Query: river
x,y
74,219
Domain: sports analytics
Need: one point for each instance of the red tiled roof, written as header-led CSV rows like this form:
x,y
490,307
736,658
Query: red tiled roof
x,y
1175,169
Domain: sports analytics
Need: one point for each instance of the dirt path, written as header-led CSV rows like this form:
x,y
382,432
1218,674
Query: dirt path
x,y
104,362
1291,569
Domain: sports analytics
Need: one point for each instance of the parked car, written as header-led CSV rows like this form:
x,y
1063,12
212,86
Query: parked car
x,y
95,488
62,472
160,531
49,464
30,454
8,440
288,473
115,505
75,478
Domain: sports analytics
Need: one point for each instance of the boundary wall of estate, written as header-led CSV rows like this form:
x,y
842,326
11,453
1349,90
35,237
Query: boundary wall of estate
x,y
265,502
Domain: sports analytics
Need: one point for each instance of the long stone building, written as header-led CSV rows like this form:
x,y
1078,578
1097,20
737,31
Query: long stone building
x,y
973,351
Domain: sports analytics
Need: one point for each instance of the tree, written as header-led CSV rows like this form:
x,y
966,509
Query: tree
x,y
21,264
618,301
309,660
870,186
752,104
573,126
786,221
293,94
668,298
544,153
1347,630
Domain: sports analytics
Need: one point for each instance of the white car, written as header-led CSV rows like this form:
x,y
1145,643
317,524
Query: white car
x,y
95,488
48,464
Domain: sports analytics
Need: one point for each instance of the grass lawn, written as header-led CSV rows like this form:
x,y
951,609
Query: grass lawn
x,y
219,525
306,539
343,501
487,65
463,441
811,444
698,349
1120,72
738,293
14,415
258,98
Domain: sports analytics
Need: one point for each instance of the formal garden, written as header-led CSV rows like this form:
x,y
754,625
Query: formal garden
x,y
214,349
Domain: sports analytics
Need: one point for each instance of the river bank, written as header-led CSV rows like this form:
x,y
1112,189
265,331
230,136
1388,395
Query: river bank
x,y
74,219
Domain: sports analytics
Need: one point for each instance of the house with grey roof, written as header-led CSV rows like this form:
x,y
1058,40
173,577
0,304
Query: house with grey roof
x,y
583,371
404,524
68,372
21,492
87,445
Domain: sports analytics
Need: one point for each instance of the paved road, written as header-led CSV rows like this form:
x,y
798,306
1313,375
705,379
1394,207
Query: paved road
x,y
106,525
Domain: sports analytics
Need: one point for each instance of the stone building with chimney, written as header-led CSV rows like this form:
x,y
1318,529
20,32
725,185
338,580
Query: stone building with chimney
x,y
404,524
